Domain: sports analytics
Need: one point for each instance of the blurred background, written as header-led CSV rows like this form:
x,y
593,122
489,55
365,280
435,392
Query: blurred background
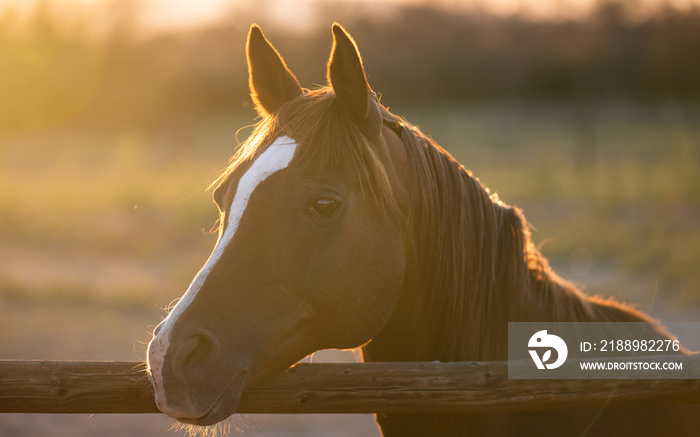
x,y
115,115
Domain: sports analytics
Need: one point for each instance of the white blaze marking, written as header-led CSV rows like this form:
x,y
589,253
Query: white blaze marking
x,y
277,157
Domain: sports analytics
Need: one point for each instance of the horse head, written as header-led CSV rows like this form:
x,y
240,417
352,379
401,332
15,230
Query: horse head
x,y
312,247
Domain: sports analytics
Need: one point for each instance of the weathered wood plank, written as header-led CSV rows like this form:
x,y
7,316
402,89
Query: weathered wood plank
x,y
74,387
122,387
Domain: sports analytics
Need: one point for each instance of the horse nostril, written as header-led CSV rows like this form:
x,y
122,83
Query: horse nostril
x,y
197,355
200,347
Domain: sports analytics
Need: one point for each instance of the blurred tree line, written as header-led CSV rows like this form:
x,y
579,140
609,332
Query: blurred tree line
x,y
55,72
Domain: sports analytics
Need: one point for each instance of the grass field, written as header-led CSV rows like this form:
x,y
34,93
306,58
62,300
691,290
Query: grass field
x,y
612,183
101,230
123,218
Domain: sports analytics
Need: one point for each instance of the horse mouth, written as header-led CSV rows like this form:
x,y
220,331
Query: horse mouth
x,y
224,406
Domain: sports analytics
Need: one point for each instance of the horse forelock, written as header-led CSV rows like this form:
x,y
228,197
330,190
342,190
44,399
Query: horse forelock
x,y
328,139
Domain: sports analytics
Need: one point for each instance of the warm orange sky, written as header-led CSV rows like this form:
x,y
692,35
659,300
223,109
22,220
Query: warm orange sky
x,y
161,14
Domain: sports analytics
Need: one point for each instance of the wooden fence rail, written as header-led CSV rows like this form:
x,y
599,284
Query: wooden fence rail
x,y
122,387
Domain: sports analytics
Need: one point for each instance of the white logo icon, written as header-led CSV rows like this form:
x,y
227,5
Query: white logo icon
x,y
542,340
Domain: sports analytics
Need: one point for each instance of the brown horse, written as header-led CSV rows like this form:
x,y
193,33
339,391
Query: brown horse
x,y
342,225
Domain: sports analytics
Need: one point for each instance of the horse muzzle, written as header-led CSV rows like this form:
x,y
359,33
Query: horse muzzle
x,y
191,382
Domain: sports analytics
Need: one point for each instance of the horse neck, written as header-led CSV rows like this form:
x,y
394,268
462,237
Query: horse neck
x,y
466,265
472,269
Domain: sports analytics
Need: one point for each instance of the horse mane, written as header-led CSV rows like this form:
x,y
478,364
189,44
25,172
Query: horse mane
x,y
480,267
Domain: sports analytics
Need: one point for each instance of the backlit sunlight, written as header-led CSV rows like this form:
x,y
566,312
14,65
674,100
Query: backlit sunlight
x,y
158,15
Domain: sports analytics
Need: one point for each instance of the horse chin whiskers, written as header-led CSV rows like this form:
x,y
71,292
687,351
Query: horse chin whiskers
x,y
233,425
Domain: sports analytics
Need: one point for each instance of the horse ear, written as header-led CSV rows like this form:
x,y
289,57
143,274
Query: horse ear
x,y
346,75
271,83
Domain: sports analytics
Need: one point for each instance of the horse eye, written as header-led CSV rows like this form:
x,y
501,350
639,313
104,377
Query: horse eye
x,y
325,206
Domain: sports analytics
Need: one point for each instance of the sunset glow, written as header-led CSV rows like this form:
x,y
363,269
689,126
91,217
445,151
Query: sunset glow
x,y
298,15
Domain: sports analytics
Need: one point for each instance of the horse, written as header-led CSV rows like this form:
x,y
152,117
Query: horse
x,y
341,226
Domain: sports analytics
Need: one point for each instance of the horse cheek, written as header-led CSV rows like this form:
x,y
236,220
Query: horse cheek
x,y
366,286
